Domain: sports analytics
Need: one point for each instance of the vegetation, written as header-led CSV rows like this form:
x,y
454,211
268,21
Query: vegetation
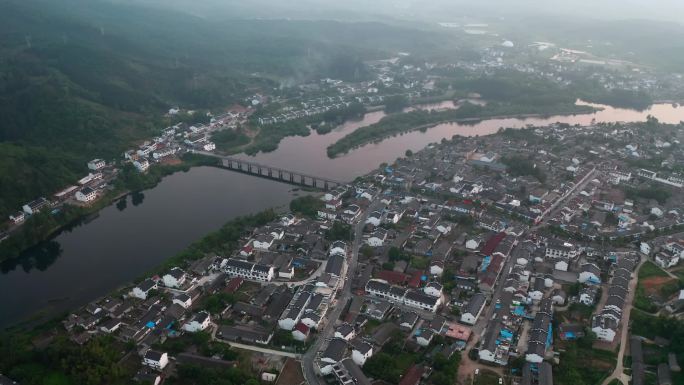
x,y
391,362
63,361
307,205
580,364
655,192
339,232
520,166
216,303
445,369
649,269
200,375
396,103
227,140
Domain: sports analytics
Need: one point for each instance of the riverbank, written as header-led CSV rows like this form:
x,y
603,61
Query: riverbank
x,y
422,120
43,226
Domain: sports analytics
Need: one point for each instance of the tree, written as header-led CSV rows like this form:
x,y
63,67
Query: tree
x,y
409,153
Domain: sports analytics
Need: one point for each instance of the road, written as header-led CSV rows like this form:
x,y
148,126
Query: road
x,y
309,358
619,372
568,195
468,366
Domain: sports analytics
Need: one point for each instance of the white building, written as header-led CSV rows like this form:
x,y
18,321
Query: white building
x,y
199,322
96,164
86,194
473,309
143,289
361,352
249,271
141,164
156,360
174,278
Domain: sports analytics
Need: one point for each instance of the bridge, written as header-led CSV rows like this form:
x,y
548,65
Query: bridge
x,y
274,173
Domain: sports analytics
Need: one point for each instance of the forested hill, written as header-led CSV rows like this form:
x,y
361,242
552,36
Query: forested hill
x,y
85,78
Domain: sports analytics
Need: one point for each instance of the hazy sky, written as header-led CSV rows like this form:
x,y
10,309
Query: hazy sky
x,y
670,10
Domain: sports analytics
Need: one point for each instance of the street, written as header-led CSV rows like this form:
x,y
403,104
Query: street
x,y
309,358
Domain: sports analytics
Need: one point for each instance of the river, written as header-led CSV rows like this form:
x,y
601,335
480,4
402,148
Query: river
x,y
308,154
90,260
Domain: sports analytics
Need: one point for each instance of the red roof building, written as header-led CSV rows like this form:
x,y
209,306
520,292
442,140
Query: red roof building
x,y
393,277
233,285
492,243
412,376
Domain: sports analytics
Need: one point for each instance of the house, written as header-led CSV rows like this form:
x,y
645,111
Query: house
x,y
348,373
332,355
96,164
568,331
143,289
36,206
111,325
145,377
473,309
666,260
18,217
408,320
345,331
558,296
473,243
174,278
412,376
361,351
141,164
607,321
199,322
247,270
183,300
590,273
556,249
374,218
538,289
377,239
433,289
86,194
540,333
209,146
436,267
155,359
588,295
263,241
421,301
338,247
561,264
300,332
424,337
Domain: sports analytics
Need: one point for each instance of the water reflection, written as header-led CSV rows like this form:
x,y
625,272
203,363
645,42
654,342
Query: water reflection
x,y
39,257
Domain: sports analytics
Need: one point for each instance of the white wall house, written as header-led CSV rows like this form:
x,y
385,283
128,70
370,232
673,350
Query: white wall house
x,y
141,164
473,309
143,289
174,278
86,194
96,164
199,322
361,352
156,360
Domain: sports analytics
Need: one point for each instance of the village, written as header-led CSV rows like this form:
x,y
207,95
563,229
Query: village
x,y
477,260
